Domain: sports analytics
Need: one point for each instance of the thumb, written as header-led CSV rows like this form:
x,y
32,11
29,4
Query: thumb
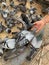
x,y
35,23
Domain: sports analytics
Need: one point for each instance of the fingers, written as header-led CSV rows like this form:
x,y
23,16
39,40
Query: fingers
x,y
38,29
33,27
37,26
35,23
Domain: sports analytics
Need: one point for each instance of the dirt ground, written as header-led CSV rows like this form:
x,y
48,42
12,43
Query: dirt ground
x,y
41,58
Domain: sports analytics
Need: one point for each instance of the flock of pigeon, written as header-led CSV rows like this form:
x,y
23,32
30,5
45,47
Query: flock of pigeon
x,y
20,40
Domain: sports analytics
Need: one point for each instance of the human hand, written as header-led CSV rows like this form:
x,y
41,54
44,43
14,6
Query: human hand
x,y
38,25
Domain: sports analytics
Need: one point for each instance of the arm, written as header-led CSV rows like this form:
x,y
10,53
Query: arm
x,y
40,24
45,19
